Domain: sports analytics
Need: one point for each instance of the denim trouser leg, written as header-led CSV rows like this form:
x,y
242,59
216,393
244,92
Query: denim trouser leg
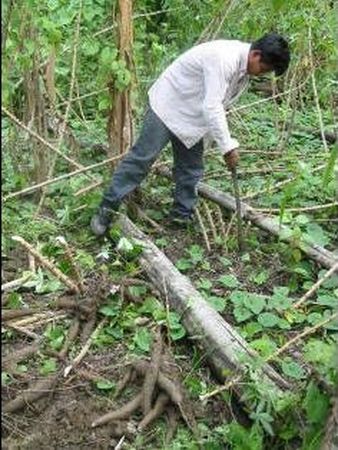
x,y
137,162
187,172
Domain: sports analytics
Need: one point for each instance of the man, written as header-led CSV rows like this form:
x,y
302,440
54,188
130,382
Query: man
x,y
186,104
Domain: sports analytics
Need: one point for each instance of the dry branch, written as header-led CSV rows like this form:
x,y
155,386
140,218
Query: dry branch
x,y
316,286
47,264
84,349
303,209
39,138
14,284
60,178
71,260
204,231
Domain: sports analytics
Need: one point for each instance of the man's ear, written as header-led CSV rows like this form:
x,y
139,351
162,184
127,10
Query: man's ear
x,y
256,54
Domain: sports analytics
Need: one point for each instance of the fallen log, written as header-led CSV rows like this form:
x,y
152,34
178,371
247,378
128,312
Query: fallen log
x,y
223,346
316,252
271,224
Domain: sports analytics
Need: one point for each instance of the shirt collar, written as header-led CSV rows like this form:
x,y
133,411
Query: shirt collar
x,y
244,54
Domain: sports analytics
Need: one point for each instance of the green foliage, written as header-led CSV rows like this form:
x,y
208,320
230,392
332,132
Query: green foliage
x,y
55,336
48,366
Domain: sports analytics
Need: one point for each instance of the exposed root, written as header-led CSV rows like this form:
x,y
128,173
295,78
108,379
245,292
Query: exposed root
x,y
9,361
172,425
10,314
39,390
123,382
155,412
123,413
150,378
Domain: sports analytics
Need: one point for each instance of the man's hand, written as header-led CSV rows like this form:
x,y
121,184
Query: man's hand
x,y
231,159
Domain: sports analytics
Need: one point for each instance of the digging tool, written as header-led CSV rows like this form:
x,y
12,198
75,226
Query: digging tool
x,y
238,209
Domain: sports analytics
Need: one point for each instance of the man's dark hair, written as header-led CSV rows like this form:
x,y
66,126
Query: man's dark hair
x,y
275,51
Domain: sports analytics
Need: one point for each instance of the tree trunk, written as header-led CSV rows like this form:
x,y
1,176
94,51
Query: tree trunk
x,y
120,127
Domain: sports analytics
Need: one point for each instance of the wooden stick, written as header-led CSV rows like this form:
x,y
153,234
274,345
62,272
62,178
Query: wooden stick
x,y
88,188
39,138
14,284
210,220
315,93
300,336
10,314
69,102
84,349
316,286
278,185
302,209
74,265
61,178
273,356
204,232
47,264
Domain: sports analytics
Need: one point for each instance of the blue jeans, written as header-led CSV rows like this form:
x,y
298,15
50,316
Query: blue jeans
x,y
187,170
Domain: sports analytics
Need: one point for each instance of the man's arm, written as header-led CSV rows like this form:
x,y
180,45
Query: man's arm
x,y
216,85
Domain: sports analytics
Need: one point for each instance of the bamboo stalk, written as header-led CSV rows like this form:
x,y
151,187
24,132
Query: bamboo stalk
x,y
74,265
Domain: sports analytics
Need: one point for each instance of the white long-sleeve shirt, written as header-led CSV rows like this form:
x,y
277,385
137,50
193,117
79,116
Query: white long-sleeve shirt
x,y
191,94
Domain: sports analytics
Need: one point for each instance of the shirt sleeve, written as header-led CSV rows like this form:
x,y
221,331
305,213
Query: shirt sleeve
x,y
216,84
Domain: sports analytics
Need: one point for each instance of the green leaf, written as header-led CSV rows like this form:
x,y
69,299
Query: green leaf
x,y
316,234
314,318
150,306
238,297
14,300
229,281
111,310
143,339
241,313
327,300
268,320
204,284
264,345
196,253
319,352
292,369
105,385
124,245
138,291
225,261
251,328
255,303
48,366
177,333
218,303
316,404
5,378
260,277
183,264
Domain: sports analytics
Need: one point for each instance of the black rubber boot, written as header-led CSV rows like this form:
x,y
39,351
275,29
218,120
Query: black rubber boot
x,y
102,220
